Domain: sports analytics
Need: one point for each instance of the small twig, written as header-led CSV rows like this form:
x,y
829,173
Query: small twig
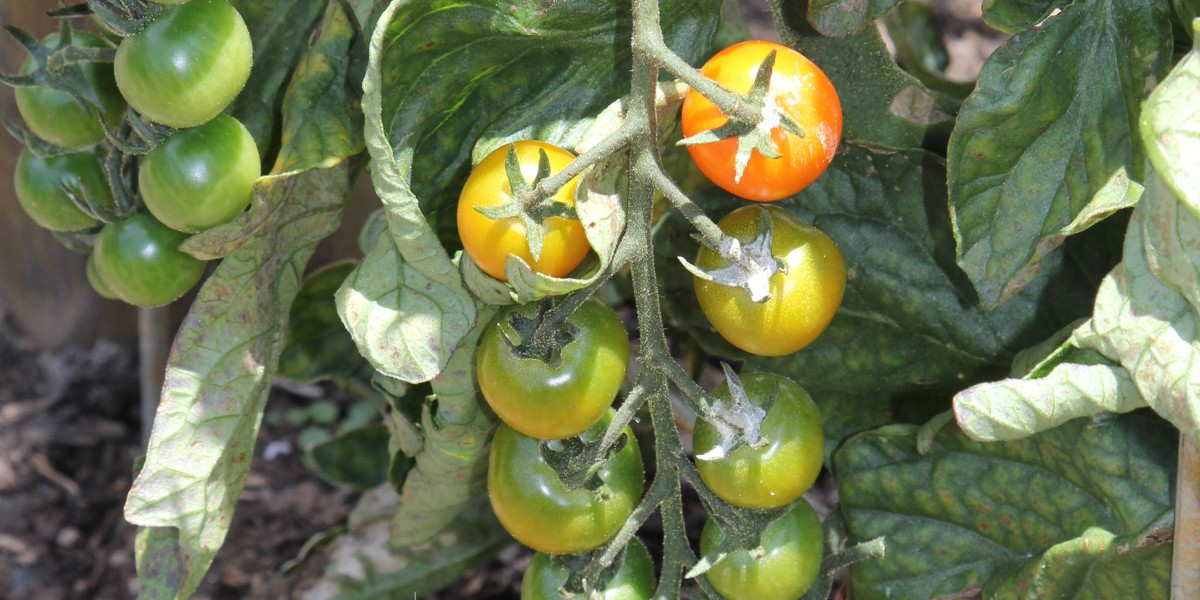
x,y
45,469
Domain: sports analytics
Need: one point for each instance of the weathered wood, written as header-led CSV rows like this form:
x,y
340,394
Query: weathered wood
x,y
1185,565
43,285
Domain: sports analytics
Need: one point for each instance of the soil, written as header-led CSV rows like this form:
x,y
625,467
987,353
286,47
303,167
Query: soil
x,y
70,434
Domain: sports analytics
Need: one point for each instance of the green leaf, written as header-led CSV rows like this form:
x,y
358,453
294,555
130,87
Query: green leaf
x,y
362,566
1081,511
840,18
1013,16
225,356
1170,128
316,346
358,458
881,103
280,30
1049,127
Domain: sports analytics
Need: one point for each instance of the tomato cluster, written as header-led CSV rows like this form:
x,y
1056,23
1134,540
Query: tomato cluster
x,y
181,70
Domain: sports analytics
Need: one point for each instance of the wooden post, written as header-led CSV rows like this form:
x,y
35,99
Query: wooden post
x,y
1185,563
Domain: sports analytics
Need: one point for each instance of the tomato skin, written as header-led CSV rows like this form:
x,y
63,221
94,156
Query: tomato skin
x,y
200,177
37,182
800,89
539,511
98,285
786,466
139,260
489,242
187,65
634,580
790,563
55,116
553,402
803,300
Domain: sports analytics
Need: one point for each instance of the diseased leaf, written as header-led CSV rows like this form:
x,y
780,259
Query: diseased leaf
x,y
402,321
1050,124
451,465
316,346
1082,511
1015,408
1146,310
223,360
840,18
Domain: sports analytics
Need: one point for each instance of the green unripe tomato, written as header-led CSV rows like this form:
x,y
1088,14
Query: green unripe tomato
x,y
55,116
535,506
200,177
633,580
187,65
563,399
791,454
98,284
38,182
140,261
789,564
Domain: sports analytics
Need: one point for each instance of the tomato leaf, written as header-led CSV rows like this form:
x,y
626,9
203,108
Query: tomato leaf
x,y
213,399
451,464
358,458
1041,143
280,31
1081,511
881,103
1013,16
316,346
840,18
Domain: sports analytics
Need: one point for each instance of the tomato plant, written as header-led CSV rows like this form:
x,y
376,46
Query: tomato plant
x,y
58,118
633,579
784,568
535,506
187,65
98,284
40,184
783,464
489,242
803,298
800,90
138,259
200,177
565,395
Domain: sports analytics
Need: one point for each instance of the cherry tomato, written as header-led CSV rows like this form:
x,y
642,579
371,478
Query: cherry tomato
x,y
202,176
788,566
561,399
798,88
489,242
785,466
38,182
98,284
803,300
140,261
55,116
633,579
187,65
536,508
